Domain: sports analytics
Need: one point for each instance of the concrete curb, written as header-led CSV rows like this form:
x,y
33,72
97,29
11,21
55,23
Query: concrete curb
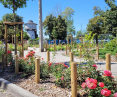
x,y
14,89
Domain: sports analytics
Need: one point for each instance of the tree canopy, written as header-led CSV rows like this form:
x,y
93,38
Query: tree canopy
x,y
68,16
56,28
111,17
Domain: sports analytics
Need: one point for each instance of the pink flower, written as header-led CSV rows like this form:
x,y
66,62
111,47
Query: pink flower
x,y
112,76
10,63
65,66
8,52
101,84
20,58
50,64
94,81
62,78
92,86
94,66
29,63
56,63
115,94
107,73
105,92
84,85
33,52
87,80
42,58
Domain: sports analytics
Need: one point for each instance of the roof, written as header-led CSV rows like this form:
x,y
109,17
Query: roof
x,y
31,22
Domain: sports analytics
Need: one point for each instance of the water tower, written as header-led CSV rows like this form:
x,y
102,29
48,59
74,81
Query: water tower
x,y
31,29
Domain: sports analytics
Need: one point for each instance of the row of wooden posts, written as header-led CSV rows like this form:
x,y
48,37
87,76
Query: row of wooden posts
x,y
73,70
80,50
73,66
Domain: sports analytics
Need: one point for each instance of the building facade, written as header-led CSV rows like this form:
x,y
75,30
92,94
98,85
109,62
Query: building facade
x,y
31,29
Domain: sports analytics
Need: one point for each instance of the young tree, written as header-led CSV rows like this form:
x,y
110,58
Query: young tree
x,y
68,16
14,5
96,24
78,33
9,17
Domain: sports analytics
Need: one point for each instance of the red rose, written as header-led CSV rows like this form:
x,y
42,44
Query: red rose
x,y
50,64
101,84
105,92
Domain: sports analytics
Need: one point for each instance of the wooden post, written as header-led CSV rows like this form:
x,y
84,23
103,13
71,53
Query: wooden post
x,y
108,62
97,53
54,46
80,53
67,39
6,44
69,50
61,47
16,65
73,46
22,51
12,39
48,56
37,70
77,47
66,49
90,47
74,79
71,57
3,62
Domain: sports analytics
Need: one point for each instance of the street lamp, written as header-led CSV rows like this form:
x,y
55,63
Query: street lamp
x,y
40,26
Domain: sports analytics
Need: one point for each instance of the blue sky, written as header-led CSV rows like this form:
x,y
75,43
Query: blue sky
x,y
83,10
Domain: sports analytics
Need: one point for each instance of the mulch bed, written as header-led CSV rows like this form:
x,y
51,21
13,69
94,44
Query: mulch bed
x,y
46,88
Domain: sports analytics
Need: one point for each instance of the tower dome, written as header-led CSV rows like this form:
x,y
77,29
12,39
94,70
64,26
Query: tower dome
x,y
30,21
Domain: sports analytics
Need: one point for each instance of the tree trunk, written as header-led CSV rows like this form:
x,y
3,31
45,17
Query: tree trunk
x,y
14,30
96,40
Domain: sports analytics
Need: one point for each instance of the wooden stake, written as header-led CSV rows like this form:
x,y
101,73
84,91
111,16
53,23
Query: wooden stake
x,y
73,46
22,51
108,62
71,57
69,50
54,46
37,70
80,53
16,65
74,79
61,47
48,56
97,53
12,39
77,47
66,49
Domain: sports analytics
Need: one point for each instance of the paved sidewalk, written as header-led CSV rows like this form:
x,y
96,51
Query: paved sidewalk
x,y
60,58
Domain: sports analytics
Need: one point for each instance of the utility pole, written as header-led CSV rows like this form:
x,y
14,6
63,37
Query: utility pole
x,y
40,27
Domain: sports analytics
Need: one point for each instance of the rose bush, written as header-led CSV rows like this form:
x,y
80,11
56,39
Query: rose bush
x,y
96,88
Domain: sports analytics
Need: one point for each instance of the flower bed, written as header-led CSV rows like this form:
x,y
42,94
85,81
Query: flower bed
x,y
58,76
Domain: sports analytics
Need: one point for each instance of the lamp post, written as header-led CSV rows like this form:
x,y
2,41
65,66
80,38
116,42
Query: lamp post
x,y
40,26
